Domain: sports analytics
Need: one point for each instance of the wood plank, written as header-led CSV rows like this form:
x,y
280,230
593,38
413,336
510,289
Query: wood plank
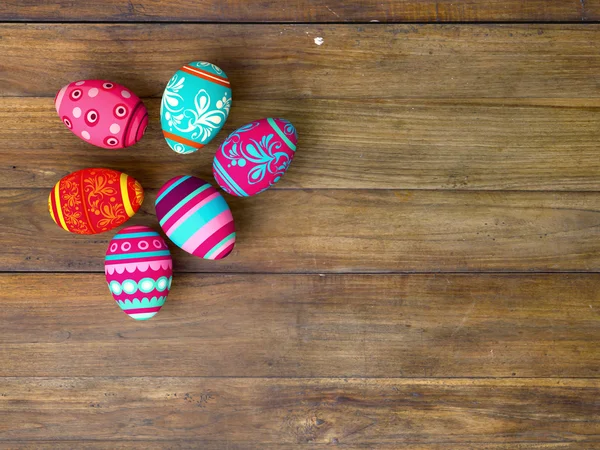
x,y
515,144
175,444
302,11
320,231
283,62
307,326
302,411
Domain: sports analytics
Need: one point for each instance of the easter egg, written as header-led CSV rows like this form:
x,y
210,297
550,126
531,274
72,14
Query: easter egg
x,y
196,217
255,156
194,106
92,201
139,271
102,113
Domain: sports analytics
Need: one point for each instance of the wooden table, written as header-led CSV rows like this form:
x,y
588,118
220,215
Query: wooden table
x,y
426,276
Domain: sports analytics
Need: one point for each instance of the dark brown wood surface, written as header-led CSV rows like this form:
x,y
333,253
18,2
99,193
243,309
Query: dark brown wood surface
x,y
425,277
192,444
358,61
346,230
434,325
447,144
302,411
303,10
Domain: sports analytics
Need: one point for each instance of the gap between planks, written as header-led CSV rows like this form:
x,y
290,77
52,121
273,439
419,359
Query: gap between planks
x,y
370,22
425,381
317,274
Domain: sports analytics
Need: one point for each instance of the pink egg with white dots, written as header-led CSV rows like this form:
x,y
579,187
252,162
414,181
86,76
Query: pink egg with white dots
x,y
102,113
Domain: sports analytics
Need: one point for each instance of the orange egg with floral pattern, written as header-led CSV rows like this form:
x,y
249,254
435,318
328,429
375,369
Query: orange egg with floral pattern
x,y
92,201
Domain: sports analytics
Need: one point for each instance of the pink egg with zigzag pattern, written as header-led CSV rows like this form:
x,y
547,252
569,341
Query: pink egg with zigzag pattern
x,y
139,271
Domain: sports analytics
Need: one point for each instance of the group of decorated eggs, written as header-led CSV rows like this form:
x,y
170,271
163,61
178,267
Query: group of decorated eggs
x,y
191,212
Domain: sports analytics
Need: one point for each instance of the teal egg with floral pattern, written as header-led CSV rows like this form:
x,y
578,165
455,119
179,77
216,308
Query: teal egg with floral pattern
x,y
195,106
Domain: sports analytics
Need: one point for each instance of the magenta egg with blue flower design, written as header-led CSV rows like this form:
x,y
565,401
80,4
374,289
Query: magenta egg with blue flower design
x,y
255,156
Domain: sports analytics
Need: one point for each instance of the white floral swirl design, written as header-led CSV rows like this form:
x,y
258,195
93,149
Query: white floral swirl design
x,y
179,148
172,102
200,64
201,121
263,154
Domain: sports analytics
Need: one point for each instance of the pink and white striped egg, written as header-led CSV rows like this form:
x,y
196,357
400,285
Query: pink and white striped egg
x,y
102,113
139,271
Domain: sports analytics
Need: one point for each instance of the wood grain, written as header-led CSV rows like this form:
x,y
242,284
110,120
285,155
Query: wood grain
x,y
515,144
283,62
515,325
302,11
302,411
173,443
320,231
458,151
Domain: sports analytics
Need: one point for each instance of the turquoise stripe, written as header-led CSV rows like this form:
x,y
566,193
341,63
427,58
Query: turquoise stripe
x,y
280,133
137,255
183,202
145,302
170,188
218,246
197,220
136,235
232,184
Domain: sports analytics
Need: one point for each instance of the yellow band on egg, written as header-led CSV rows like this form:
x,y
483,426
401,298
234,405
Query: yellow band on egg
x,y
50,207
58,208
128,209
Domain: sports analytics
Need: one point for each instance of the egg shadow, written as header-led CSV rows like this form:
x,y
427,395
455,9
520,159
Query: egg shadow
x,y
242,210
